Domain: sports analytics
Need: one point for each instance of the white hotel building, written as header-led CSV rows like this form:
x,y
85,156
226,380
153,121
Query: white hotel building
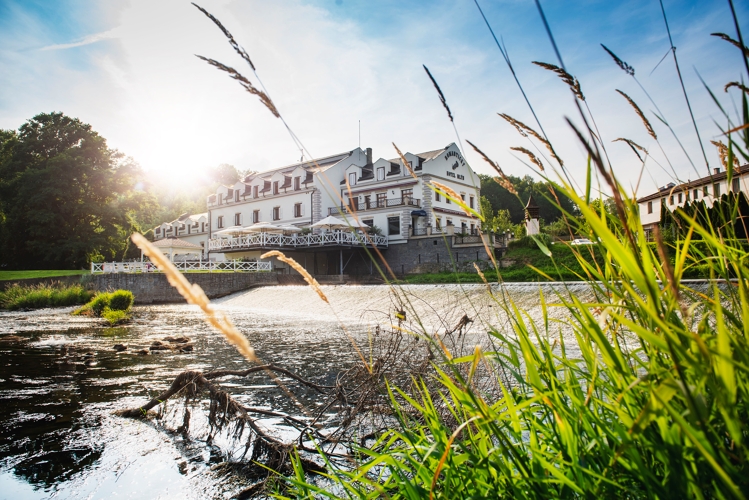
x,y
349,186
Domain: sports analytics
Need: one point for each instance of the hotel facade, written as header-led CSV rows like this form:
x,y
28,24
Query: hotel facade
x,y
392,198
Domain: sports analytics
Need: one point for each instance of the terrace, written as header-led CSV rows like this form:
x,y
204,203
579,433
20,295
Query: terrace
x,y
297,241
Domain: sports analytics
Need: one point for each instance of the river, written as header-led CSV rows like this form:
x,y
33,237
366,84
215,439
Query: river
x,y
61,381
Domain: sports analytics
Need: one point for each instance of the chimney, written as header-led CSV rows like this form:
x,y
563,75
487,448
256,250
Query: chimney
x,y
369,157
716,171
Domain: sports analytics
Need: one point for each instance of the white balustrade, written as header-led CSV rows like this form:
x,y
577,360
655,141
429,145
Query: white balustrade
x,y
296,241
147,267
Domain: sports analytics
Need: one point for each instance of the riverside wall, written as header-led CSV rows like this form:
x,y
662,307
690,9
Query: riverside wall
x,y
153,288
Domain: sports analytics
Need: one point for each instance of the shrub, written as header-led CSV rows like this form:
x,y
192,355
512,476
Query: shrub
x,y
121,300
115,316
112,306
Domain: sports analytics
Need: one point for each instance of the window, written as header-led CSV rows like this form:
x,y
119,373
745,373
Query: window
x,y
367,201
696,193
471,202
220,221
438,222
735,187
449,222
463,197
254,191
369,222
276,212
353,203
297,183
381,197
671,200
297,209
236,195
705,190
407,196
352,179
255,216
237,219
716,190
275,187
650,207
473,229
447,200
202,227
686,195
436,196
680,197
381,174
394,225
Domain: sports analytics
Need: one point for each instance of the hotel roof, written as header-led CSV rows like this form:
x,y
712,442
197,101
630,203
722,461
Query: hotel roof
x,y
671,188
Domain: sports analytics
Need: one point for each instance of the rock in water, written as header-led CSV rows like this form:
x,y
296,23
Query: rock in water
x,y
120,347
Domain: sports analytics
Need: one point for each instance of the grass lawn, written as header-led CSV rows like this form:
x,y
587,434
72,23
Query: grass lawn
x,y
20,275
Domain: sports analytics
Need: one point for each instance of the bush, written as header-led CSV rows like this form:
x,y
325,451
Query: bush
x,y
115,316
112,306
530,241
121,300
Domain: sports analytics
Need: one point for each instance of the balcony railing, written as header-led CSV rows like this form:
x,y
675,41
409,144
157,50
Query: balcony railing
x,y
266,240
188,265
355,206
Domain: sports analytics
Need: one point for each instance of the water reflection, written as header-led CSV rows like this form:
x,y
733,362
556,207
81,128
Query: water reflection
x,y
61,380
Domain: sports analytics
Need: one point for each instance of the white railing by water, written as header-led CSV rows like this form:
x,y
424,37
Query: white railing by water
x,y
263,240
236,266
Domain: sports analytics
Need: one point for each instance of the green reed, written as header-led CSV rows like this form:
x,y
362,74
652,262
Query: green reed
x,y
652,404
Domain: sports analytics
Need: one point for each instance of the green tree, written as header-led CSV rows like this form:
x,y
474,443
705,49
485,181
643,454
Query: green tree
x,y
501,199
65,197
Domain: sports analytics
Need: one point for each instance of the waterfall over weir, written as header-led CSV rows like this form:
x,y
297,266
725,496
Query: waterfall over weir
x,y
428,308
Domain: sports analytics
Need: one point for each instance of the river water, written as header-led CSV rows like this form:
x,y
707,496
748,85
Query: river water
x,y
61,381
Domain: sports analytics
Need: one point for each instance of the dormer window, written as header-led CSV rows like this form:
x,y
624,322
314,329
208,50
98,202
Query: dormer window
x,y
254,191
236,195
275,187
297,183
381,174
352,179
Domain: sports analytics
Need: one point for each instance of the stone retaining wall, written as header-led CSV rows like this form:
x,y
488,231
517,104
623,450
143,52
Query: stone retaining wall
x,y
154,288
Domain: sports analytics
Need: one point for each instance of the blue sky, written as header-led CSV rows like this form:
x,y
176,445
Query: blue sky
x,y
127,68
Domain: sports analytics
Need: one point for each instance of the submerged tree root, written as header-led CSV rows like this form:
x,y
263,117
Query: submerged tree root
x,y
347,415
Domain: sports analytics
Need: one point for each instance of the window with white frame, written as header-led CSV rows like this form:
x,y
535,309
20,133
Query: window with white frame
x,y
255,216
275,187
297,183
352,178
297,209
237,219
276,212
220,221
381,174
254,191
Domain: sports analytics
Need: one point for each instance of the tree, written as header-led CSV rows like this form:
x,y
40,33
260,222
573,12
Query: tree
x,y
65,197
501,199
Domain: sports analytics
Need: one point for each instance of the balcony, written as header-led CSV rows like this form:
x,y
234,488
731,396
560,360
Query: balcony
x,y
357,207
268,240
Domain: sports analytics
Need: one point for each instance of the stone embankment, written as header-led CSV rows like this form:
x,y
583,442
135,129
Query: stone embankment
x,y
154,288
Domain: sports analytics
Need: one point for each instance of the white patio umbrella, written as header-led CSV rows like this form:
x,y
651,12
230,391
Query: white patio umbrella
x,y
330,223
262,227
357,224
230,231
288,228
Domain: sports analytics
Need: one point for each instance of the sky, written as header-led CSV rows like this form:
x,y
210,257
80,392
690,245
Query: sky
x,y
345,73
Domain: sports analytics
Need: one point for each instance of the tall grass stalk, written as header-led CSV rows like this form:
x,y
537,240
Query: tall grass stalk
x,y
648,401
